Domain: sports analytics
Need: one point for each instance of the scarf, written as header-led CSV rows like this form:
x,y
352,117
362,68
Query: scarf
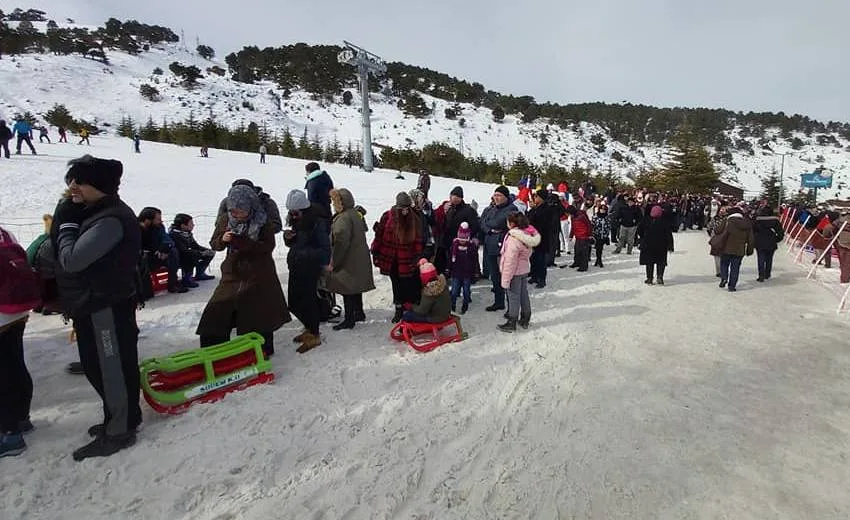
x,y
245,198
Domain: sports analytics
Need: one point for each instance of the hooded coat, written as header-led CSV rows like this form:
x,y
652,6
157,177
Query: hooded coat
x,y
656,240
269,205
516,253
352,266
435,303
494,226
249,296
387,249
319,186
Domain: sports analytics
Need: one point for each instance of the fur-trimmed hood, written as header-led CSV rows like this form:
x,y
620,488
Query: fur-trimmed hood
x,y
435,287
528,236
341,199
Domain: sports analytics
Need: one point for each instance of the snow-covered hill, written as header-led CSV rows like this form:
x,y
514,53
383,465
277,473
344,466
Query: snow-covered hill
x,y
105,94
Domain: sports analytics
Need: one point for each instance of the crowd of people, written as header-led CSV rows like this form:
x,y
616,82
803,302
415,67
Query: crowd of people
x,y
93,265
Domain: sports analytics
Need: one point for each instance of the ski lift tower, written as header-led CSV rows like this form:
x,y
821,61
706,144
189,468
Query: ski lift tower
x,y
365,62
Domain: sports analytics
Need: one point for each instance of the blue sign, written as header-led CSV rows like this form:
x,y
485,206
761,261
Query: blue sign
x,y
822,179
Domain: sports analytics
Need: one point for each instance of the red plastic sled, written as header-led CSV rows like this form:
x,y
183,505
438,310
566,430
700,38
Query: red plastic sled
x,y
425,337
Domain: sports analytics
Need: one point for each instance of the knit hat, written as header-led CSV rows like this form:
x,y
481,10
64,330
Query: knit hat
x,y
403,200
656,212
297,200
457,191
242,182
427,271
543,194
463,232
312,166
503,190
102,174
550,187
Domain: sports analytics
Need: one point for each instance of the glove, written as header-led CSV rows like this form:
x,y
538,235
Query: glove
x,y
69,215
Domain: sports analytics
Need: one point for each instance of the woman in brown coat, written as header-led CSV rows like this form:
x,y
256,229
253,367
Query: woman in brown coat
x,y
248,297
351,264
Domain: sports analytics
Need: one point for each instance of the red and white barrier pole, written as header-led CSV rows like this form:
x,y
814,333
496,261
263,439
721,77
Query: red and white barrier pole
x,y
826,251
799,231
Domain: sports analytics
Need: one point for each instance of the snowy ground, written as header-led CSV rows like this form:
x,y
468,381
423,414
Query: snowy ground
x,y
621,401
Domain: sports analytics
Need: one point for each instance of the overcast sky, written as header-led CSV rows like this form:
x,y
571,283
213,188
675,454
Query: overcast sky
x,y
773,55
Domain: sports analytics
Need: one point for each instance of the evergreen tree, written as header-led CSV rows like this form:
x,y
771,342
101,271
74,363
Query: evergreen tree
x,y
289,149
770,189
316,150
205,51
59,116
149,132
498,114
165,134
333,153
415,106
690,169
304,146
127,127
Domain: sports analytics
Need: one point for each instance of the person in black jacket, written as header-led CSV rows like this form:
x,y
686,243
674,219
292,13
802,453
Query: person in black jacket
x,y
656,240
158,249
629,217
768,233
457,212
194,258
319,186
98,241
309,242
5,137
546,219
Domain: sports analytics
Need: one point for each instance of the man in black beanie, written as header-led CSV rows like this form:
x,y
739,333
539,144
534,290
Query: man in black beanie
x,y
457,211
97,242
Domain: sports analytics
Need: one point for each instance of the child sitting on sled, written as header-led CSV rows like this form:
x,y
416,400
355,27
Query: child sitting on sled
x,y
435,305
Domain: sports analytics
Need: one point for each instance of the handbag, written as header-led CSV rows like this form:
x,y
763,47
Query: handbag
x,y
718,243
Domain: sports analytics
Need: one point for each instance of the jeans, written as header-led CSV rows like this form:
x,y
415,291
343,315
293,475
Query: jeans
x,y
730,267
457,285
415,317
518,300
496,280
765,262
15,380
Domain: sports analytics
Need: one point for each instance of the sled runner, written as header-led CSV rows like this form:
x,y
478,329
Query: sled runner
x,y
425,337
172,384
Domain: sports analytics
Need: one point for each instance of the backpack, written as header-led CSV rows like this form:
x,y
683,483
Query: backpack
x,y
20,290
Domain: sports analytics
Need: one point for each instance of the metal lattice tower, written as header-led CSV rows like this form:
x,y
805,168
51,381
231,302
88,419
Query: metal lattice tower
x,y
365,62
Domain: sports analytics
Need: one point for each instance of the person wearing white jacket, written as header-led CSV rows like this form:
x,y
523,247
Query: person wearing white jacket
x,y
15,380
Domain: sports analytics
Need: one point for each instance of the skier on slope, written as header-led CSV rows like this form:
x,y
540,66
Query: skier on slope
x,y
24,131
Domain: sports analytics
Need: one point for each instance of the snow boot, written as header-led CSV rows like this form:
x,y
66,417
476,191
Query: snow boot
x,y
524,320
189,283
508,326
648,281
201,276
177,288
75,368
309,342
25,426
660,281
104,446
98,430
464,307
722,283
347,323
299,338
12,444
494,308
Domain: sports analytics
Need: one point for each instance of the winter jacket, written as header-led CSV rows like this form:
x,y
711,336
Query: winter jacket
x,y
310,244
87,285
455,215
352,265
463,258
656,240
187,246
22,128
516,252
601,227
424,183
435,303
546,219
249,295
629,216
5,132
739,240
319,186
768,232
388,250
156,239
494,225
269,205
581,228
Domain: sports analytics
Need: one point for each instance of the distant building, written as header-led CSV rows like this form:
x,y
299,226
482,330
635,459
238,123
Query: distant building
x,y
730,190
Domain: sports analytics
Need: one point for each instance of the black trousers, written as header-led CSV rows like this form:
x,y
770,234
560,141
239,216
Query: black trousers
x,y
108,344
15,380
406,289
303,298
4,147
581,255
658,268
538,265
24,139
353,305
193,263
600,245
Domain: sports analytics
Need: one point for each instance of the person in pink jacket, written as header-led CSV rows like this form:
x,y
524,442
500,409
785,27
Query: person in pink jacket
x,y
515,264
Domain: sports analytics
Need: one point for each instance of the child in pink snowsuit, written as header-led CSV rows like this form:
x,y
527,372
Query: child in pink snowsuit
x,y
514,264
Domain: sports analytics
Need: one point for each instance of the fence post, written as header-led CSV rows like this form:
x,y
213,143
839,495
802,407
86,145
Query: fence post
x,y
799,231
